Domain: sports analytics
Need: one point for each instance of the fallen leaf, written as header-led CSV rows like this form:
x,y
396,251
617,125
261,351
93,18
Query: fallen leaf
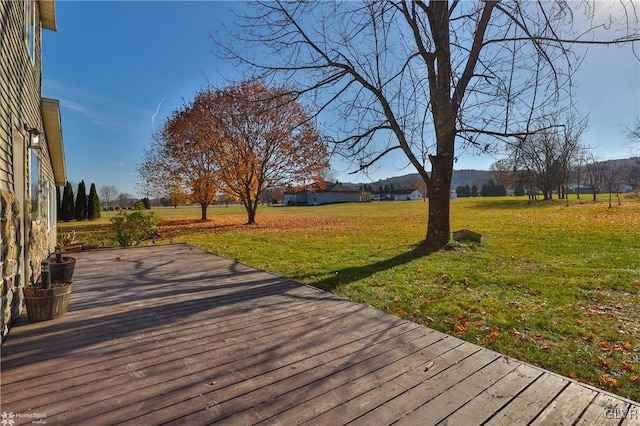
x,y
627,366
627,345
463,320
118,259
604,345
608,381
459,329
430,365
634,378
603,362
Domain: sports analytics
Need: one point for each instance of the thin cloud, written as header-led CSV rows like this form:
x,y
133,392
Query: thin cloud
x,y
155,114
119,164
74,106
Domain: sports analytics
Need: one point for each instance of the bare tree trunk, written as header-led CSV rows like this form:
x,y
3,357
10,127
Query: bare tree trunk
x,y
203,211
251,214
439,188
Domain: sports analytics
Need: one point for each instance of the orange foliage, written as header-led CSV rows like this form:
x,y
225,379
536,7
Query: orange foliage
x,y
266,139
627,366
608,381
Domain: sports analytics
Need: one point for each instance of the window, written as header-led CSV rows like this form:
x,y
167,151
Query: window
x,y
30,27
34,186
51,204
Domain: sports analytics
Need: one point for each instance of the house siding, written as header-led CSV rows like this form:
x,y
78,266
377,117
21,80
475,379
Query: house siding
x,y
23,243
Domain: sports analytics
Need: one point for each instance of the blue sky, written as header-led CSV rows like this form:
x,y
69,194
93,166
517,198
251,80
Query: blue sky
x,y
120,68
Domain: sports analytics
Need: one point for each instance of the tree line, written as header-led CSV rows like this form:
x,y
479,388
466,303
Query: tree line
x,y
88,207
80,208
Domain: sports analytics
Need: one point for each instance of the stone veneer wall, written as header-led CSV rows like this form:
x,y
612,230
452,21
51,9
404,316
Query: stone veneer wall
x,y
11,246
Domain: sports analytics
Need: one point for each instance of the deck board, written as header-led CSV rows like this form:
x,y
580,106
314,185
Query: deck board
x,y
172,334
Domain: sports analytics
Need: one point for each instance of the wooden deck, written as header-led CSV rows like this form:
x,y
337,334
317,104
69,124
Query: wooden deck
x,y
172,334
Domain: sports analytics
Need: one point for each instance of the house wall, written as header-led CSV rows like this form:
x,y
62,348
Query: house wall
x,y
334,197
23,243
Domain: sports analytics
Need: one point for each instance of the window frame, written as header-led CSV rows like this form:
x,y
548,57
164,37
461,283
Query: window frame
x,y
30,28
35,186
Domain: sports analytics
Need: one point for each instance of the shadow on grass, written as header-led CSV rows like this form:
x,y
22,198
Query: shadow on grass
x,y
352,274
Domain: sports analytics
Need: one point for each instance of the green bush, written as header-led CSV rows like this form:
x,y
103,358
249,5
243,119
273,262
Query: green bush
x,y
134,228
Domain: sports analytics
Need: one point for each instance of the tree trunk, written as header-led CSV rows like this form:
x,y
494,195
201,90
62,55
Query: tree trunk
x,y
251,207
251,216
203,209
439,189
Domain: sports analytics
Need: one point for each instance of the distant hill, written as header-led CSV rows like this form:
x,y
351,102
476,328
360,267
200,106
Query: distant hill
x,y
460,178
471,177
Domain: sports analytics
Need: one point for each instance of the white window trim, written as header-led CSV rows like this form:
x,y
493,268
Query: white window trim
x,y
30,28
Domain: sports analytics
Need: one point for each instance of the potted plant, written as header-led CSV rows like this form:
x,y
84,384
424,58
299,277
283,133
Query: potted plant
x,y
47,300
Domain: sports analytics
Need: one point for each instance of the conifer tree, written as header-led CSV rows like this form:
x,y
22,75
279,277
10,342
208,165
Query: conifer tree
x,y
66,210
80,211
58,204
93,206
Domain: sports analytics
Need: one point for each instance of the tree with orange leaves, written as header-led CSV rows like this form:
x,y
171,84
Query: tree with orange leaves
x,y
265,140
241,140
182,154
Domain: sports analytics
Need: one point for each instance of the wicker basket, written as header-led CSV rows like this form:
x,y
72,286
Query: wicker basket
x,y
62,272
47,303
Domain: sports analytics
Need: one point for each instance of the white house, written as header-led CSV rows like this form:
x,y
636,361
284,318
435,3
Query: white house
x,y
397,195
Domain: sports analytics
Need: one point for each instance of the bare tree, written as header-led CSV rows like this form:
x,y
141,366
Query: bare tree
x,y
595,173
108,193
547,155
633,138
612,179
577,171
418,76
125,200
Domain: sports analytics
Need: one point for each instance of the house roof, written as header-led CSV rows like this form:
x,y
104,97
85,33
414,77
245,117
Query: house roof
x,y
339,187
50,109
48,14
329,187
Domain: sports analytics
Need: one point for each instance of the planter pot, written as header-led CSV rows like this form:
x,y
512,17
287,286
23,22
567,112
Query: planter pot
x,y
62,272
45,304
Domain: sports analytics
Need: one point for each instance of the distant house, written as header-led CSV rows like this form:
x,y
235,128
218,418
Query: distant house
x,y
332,193
397,195
31,152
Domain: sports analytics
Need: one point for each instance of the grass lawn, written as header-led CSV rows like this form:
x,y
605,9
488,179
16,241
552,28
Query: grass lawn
x,y
555,286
